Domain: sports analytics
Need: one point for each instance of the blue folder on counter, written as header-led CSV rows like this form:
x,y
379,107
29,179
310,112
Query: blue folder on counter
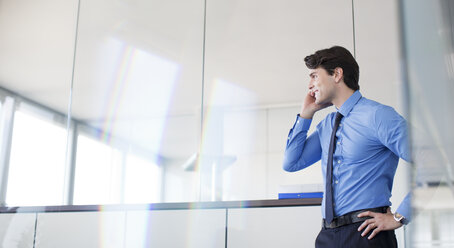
x,y
300,195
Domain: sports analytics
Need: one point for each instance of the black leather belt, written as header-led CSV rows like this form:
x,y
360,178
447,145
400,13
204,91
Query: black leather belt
x,y
351,218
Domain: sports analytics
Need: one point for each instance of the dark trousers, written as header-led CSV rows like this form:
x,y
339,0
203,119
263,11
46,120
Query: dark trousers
x,y
348,237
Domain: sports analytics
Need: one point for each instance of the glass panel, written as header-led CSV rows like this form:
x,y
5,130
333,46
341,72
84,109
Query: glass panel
x,y
429,46
80,229
380,74
254,66
17,230
36,173
36,62
138,87
201,228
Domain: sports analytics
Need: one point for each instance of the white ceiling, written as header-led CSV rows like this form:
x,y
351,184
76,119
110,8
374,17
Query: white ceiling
x,y
128,52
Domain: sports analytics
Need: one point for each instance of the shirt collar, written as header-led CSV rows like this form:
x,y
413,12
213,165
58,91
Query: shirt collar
x,y
350,103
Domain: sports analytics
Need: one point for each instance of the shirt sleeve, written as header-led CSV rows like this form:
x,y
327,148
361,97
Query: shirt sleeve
x,y
392,132
301,151
405,207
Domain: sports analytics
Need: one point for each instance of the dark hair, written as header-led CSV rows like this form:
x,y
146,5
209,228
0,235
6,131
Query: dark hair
x,y
333,57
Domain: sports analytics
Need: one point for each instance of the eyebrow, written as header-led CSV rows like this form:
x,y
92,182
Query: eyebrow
x,y
312,73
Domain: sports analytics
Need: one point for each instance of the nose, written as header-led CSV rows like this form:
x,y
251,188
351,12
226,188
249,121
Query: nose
x,y
311,84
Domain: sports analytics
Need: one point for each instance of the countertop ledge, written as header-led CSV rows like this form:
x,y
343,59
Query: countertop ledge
x,y
166,206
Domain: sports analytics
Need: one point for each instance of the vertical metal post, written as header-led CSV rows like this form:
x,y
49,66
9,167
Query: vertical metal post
x,y
406,105
71,138
354,29
6,135
68,192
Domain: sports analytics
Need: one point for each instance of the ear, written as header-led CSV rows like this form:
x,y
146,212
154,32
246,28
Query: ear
x,y
338,74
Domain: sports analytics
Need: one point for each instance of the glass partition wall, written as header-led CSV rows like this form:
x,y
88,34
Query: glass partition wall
x,y
137,89
255,78
36,62
429,48
169,101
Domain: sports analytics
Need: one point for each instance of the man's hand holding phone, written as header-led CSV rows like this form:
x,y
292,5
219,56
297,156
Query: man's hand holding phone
x,y
310,106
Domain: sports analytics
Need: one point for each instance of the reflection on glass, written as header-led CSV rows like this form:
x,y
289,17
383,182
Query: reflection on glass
x,y
138,85
36,170
138,88
228,131
133,118
254,73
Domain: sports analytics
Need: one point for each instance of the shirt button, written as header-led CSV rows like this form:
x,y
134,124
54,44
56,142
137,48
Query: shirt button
x,y
337,181
297,121
338,143
340,124
338,161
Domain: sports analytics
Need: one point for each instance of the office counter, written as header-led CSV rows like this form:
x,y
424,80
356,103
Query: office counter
x,y
258,223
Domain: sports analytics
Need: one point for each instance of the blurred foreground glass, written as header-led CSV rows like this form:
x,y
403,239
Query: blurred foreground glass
x,y
137,94
428,35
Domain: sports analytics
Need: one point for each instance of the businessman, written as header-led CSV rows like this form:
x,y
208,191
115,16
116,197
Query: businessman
x,y
359,146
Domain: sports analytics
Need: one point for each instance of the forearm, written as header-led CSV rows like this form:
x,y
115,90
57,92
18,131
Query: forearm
x,y
301,151
307,113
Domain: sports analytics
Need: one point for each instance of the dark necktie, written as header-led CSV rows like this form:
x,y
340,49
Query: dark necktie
x,y
329,208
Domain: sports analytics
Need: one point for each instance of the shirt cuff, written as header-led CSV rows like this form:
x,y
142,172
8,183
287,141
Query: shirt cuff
x,y
301,124
405,208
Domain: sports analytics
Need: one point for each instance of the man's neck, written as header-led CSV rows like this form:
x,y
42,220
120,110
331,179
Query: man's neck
x,y
342,95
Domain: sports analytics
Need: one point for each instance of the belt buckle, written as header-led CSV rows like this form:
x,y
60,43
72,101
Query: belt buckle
x,y
331,225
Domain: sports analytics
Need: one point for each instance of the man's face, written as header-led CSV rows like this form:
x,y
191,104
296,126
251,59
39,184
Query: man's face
x,y
321,85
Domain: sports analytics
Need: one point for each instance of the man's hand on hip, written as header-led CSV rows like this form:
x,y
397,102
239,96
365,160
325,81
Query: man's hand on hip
x,y
379,222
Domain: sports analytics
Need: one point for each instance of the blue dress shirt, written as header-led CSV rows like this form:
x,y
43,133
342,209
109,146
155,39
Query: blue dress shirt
x,y
370,139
